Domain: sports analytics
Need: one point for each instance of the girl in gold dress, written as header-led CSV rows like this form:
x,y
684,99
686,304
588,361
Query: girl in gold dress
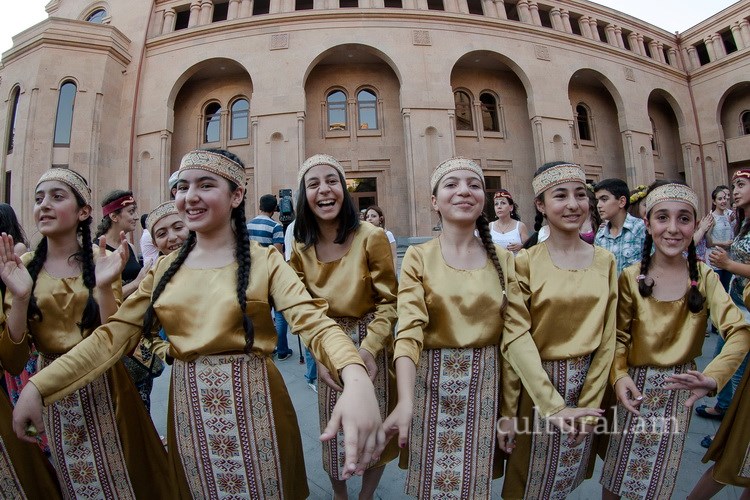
x,y
101,438
662,313
232,430
348,264
459,308
570,290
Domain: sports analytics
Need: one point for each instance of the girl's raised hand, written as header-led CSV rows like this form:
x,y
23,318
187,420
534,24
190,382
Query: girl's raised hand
x,y
628,394
13,272
27,415
109,267
399,422
357,413
698,384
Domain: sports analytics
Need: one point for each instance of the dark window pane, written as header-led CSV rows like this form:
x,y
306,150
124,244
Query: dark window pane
x,y
212,122
64,120
240,112
97,16
261,7
394,4
435,5
475,7
463,111
221,12
367,110
181,20
303,4
348,3
584,127
493,183
12,124
336,104
490,120
746,123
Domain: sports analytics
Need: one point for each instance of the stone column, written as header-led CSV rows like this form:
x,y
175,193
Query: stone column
x,y
300,137
168,26
234,9
641,45
672,58
500,8
745,32
737,36
709,41
534,8
585,27
524,14
410,182
195,13
565,15
609,31
719,48
246,8
654,49
695,61
541,154
633,41
594,29
556,19
489,8
618,37
462,7
660,49
207,10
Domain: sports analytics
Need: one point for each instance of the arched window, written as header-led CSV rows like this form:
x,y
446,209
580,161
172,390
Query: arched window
x,y
97,17
490,121
212,123
584,123
654,139
16,95
64,120
336,105
367,111
463,111
745,122
240,111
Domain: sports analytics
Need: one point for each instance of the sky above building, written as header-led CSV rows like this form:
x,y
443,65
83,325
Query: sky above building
x,y
671,15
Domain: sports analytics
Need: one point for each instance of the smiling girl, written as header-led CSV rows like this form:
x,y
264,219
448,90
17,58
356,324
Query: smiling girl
x,y
459,307
570,290
101,438
662,312
232,429
348,264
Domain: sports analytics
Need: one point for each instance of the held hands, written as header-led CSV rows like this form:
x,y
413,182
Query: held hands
x,y
506,434
358,414
325,376
12,271
628,394
370,364
514,247
698,384
27,415
109,267
399,422
566,421
719,258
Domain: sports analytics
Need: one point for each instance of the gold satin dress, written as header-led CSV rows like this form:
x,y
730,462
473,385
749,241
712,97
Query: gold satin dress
x,y
200,311
360,289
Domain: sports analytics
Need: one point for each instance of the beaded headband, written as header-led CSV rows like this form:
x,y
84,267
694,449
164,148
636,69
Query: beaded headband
x,y
157,214
741,173
215,163
121,202
559,174
451,165
503,194
671,192
69,178
319,159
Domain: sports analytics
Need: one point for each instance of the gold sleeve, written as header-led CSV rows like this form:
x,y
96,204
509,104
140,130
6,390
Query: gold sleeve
x,y
99,351
521,362
412,309
601,363
307,316
732,325
625,311
380,263
13,355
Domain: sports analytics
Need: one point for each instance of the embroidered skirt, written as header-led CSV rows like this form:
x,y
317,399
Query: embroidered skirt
x,y
233,431
543,465
103,443
452,441
644,453
385,392
730,448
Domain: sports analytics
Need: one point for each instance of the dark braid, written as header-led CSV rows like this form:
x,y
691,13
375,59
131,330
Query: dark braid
x,y
90,317
148,318
538,220
35,266
695,299
242,254
646,284
483,226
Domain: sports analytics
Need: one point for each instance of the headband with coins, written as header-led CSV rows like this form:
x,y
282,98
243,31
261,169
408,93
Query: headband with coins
x,y
215,163
559,174
69,178
451,165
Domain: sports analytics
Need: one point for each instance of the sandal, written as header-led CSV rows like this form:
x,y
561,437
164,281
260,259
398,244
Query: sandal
x,y
702,411
706,441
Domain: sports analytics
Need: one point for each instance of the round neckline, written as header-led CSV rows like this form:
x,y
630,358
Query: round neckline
x,y
513,228
549,256
354,237
75,276
234,262
440,247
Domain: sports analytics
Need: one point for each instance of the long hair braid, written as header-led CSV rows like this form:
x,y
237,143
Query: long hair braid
x,y
148,318
483,226
538,220
35,266
242,254
695,299
90,317
645,284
